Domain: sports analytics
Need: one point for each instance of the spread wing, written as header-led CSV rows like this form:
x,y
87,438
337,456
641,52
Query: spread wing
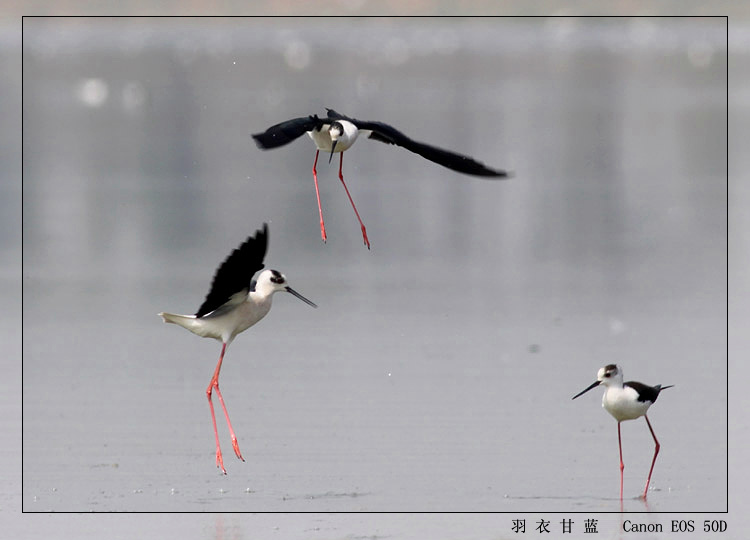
x,y
286,132
390,135
233,278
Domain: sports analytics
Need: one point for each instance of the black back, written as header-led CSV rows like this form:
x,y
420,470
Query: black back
x,y
285,132
390,135
646,392
235,274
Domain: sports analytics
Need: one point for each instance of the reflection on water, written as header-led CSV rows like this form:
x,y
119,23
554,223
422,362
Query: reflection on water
x,y
455,344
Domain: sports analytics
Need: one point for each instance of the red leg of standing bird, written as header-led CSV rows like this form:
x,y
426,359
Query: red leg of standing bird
x,y
653,461
214,384
341,177
235,445
317,194
622,465
219,460
209,390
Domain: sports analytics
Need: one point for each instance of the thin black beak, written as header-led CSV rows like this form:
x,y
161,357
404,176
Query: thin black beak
x,y
333,147
593,385
298,295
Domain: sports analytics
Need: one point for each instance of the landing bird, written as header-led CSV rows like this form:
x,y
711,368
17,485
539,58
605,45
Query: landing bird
x,y
234,304
627,401
337,133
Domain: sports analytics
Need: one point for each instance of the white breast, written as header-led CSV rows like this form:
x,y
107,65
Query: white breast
x,y
623,404
323,140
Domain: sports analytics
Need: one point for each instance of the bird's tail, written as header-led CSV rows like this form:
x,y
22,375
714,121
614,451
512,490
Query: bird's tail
x,y
186,321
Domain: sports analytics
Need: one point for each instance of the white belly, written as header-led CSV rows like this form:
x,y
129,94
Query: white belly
x,y
236,320
623,404
223,324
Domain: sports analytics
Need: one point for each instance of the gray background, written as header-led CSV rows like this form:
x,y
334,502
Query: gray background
x,y
438,371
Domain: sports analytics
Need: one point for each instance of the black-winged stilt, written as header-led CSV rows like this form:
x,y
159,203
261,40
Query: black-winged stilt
x,y
337,133
627,401
234,304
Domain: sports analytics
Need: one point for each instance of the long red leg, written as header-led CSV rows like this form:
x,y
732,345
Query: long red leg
x,y
235,445
209,390
622,465
214,384
317,194
341,177
656,453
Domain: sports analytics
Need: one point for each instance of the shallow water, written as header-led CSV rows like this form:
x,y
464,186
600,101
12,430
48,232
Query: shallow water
x,y
437,373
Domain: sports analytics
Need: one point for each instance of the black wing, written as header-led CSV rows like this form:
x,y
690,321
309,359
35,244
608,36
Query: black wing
x,y
286,132
646,392
232,280
390,135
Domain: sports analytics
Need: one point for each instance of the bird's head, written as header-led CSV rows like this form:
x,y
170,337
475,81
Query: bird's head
x,y
271,281
335,131
608,375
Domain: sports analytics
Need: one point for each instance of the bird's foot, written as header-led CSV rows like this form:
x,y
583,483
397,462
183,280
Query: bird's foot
x,y
236,447
220,461
323,232
364,237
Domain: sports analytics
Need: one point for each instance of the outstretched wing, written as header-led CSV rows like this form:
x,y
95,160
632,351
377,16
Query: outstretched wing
x,y
286,132
390,135
232,280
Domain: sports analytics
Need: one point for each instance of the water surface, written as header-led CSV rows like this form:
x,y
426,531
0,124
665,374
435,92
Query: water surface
x,y
437,373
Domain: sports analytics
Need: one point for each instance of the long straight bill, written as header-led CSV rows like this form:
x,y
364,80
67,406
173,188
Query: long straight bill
x,y
298,295
333,147
593,385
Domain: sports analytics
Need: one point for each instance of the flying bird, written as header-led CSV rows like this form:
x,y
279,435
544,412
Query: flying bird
x,y
338,132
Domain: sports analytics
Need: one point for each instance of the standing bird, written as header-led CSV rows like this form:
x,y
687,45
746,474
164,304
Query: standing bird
x,y
234,304
627,401
338,133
